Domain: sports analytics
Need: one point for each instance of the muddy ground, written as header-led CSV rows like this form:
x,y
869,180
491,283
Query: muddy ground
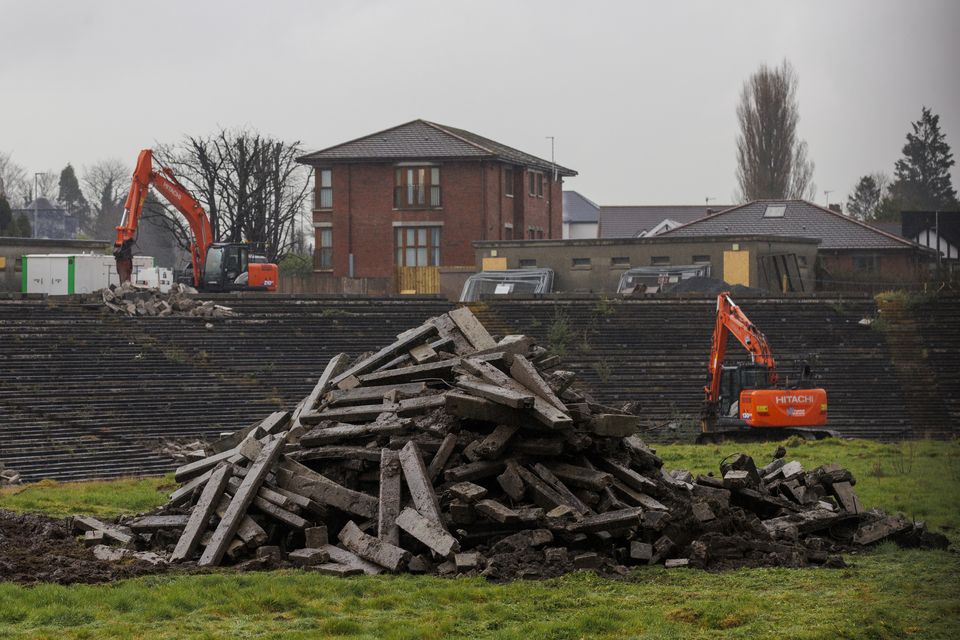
x,y
35,548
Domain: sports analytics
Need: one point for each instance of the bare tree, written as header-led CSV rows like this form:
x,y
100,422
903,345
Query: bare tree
x,y
13,180
250,185
771,161
105,185
46,184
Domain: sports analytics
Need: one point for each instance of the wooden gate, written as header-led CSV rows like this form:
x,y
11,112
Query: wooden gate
x,y
414,280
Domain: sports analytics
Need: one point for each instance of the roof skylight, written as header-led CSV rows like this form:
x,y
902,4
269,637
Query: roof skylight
x,y
774,211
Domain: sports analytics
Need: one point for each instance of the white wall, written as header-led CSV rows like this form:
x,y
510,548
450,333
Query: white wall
x,y
580,230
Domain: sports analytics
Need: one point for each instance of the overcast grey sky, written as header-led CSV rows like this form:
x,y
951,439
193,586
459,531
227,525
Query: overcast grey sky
x,y
640,95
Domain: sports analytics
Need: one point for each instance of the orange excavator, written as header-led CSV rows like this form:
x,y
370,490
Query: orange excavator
x,y
746,401
214,266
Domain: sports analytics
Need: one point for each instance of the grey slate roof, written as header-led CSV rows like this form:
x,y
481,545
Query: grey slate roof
x,y
423,140
801,218
893,228
579,208
629,221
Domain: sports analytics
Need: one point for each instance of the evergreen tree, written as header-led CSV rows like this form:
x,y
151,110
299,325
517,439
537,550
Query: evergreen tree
x,y
71,197
922,176
6,216
108,213
21,227
865,200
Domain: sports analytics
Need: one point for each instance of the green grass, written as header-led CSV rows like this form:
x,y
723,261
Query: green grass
x,y
887,593
102,499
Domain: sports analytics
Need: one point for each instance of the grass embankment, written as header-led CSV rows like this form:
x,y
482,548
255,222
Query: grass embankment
x,y
889,593
98,498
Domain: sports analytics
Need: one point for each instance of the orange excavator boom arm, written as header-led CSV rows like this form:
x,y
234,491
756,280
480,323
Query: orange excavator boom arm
x,y
732,320
166,183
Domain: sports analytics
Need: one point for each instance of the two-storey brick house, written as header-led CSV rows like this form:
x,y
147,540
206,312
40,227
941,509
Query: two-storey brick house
x,y
410,200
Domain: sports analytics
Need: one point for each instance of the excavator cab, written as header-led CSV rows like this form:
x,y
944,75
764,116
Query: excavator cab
x,y
224,264
232,266
734,379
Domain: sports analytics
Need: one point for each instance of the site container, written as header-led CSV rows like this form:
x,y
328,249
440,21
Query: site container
x,y
62,274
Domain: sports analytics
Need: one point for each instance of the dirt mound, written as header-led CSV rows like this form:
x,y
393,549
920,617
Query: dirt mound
x,y
712,286
36,548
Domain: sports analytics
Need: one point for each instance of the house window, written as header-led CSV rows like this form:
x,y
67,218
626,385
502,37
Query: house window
x,y
324,189
581,262
508,233
535,183
701,259
508,182
417,188
528,262
660,261
18,265
324,248
620,261
417,246
866,264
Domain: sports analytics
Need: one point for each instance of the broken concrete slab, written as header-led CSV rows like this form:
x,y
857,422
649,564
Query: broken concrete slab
x,y
428,532
308,557
388,556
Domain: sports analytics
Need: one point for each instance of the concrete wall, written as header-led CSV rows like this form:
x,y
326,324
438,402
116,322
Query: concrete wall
x,y
595,266
876,270
13,249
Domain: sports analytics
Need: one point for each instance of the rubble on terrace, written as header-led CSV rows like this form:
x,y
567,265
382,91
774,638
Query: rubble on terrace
x,y
9,476
134,300
450,452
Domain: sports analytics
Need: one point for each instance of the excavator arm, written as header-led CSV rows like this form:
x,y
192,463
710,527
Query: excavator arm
x,y
164,181
732,320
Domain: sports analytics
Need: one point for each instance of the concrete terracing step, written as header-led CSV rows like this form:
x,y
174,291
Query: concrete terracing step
x,y
85,389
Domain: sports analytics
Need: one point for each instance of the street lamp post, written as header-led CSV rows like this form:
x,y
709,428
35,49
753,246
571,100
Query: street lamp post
x,y
36,202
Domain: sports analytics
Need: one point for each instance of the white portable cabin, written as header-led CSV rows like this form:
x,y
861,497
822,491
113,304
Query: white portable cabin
x,y
64,274
155,278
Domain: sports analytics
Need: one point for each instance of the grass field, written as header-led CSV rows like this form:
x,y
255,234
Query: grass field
x,y
887,593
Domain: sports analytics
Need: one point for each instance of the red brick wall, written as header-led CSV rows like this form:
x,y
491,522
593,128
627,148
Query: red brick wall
x,y
363,215
544,212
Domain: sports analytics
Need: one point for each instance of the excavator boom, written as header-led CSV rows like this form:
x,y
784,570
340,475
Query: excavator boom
x,y
144,176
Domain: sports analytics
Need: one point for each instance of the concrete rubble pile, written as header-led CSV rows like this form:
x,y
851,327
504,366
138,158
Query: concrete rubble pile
x,y
180,300
450,452
9,476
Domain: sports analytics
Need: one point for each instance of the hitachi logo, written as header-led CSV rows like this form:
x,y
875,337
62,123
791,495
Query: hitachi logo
x,y
794,399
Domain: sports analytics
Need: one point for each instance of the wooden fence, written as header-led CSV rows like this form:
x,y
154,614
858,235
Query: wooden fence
x,y
421,280
324,283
